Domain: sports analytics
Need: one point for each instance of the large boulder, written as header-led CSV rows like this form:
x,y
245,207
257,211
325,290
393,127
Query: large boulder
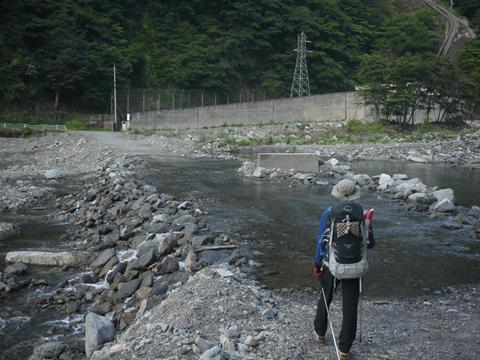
x,y
444,205
98,331
43,258
444,194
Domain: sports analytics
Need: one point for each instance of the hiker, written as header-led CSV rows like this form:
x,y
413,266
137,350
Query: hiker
x,y
344,234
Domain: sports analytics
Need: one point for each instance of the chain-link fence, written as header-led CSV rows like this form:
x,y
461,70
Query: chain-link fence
x,y
141,100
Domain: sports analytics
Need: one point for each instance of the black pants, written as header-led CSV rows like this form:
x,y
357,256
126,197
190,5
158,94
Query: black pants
x,y
350,293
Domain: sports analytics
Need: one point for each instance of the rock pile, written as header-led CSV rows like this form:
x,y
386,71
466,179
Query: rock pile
x,y
143,245
412,193
217,314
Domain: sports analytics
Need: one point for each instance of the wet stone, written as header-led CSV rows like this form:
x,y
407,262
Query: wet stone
x,y
101,259
127,289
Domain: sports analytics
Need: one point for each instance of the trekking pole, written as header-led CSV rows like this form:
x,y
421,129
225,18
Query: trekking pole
x,y
361,308
331,326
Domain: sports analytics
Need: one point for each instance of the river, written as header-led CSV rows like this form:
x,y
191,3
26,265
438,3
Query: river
x,y
413,252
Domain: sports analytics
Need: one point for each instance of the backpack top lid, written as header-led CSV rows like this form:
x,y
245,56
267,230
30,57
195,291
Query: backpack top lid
x,y
346,207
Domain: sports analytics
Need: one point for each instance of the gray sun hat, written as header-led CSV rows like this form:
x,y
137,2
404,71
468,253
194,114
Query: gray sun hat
x,y
346,190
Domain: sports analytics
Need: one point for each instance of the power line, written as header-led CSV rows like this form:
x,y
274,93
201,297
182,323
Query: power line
x,y
301,83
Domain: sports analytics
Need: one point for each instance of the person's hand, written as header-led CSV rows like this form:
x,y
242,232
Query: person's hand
x,y
317,272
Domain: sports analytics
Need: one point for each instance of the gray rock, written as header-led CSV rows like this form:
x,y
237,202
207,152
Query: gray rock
x,y
102,258
16,269
444,194
300,176
400,176
107,267
119,269
474,211
168,265
203,344
260,172
48,350
200,240
214,353
147,279
103,308
159,289
150,189
247,168
270,313
159,218
98,331
251,341
166,244
385,179
416,197
333,162
416,159
157,227
52,174
142,262
362,179
127,289
322,183
444,205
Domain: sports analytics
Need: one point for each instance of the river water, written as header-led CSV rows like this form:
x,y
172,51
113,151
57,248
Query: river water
x,y
413,252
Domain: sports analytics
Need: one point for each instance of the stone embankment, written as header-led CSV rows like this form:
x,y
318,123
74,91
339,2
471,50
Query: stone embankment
x,y
412,193
462,151
142,244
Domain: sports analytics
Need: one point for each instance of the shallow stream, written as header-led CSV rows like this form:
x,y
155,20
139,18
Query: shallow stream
x,y
413,252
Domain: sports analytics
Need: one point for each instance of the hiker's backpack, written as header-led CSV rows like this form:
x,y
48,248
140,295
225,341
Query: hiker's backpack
x,y
346,256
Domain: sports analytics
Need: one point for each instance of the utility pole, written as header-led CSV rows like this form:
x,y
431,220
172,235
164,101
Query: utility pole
x,y
300,83
114,98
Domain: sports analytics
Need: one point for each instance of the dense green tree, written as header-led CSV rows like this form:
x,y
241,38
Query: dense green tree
x,y
62,51
469,63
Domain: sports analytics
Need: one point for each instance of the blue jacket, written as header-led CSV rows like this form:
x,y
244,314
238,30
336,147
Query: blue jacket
x,y
323,236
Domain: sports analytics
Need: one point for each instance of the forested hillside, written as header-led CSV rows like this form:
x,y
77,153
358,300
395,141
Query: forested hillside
x,y
61,52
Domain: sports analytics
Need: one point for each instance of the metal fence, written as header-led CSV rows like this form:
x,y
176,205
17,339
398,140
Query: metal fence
x,y
40,127
141,100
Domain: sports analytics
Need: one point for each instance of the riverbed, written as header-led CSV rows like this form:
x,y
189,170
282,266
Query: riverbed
x,y
413,253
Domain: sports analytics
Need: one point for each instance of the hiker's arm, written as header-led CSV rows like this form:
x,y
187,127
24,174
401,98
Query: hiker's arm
x,y
322,234
371,237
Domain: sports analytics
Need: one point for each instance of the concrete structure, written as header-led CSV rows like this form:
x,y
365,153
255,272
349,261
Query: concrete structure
x,y
326,107
305,162
42,258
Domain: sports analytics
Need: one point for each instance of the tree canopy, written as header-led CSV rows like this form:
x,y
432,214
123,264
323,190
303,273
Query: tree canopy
x,y
62,51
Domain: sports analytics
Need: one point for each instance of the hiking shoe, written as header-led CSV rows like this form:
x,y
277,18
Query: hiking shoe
x,y
320,339
343,356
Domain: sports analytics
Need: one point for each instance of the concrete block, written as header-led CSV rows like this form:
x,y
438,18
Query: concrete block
x,y
305,162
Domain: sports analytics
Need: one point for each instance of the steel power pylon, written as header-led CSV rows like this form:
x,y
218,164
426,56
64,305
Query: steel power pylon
x,y
300,83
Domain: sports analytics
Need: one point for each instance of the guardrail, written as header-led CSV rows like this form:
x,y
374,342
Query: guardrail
x,y
39,127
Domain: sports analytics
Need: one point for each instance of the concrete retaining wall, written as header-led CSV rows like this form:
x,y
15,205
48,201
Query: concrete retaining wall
x,y
317,108
327,107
